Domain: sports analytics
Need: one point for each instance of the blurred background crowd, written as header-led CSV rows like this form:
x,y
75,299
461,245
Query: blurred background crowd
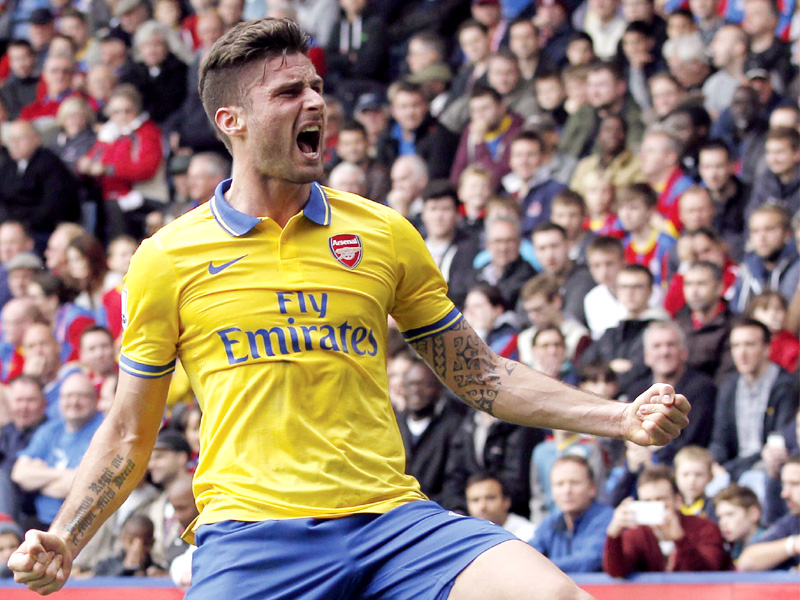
x,y
611,189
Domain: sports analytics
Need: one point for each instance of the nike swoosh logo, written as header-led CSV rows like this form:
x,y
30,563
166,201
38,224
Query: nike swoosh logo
x,y
217,269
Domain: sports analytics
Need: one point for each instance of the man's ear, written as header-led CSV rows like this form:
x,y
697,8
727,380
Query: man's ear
x,y
231,121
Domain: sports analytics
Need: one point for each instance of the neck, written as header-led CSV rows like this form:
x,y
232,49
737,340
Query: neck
x,y
704,315
735,67
708,21
442,239
670,378
662,177
642,235
74,425
788,176
260,196
527,66
754,376
762,42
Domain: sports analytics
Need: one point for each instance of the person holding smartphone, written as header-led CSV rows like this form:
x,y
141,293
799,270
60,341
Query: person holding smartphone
x,y
652,535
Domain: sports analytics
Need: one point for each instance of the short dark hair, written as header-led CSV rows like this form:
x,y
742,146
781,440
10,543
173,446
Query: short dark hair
x,y
638,191
715,271
611,67
738,495
657,473
472,24
715,144
640,270
221,81
540,285
548,226
742,322
441,188
568,197
531,136
596,371
606,243
95,329
576,460
481,89
21,43
481,476
640,27
786,134
353,125
492,293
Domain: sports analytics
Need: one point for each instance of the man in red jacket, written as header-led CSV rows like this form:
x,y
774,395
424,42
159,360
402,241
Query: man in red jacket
x,y
679,543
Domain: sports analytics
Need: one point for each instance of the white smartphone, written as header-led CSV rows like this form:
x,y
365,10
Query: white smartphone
x,y
648,513
776,440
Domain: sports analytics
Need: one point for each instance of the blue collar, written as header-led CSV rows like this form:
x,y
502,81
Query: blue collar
x,y
236,224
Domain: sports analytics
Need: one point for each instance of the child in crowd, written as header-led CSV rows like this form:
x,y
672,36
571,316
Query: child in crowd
x,y
739,514
135,559
569,211
600,196
575,86
10,538
551,96
474,192
692,474
119,254
645,244
770,308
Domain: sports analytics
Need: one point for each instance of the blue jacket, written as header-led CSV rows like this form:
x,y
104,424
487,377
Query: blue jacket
x,y
578,551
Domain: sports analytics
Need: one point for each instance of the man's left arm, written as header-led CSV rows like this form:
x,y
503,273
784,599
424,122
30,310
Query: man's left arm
x,y
513,392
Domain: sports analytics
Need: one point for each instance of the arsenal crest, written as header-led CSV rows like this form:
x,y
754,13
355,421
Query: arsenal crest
x,y
346,248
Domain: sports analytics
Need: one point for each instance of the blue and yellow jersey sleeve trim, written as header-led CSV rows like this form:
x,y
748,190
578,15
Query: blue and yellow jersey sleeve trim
x,y
450,320
138,369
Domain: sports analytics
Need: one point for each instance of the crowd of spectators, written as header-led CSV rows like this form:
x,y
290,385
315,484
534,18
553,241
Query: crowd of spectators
x,y
610,188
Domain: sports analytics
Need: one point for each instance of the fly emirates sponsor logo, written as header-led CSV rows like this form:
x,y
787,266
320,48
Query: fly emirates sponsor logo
x,y
291,338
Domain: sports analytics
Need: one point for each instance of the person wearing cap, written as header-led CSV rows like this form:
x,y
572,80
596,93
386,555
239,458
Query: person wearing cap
x,y
38,189
371,110
47,465
21,269
168,463
128,14
433,81
11,536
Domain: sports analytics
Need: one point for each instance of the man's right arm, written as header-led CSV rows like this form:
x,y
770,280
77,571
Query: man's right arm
x,y
115,462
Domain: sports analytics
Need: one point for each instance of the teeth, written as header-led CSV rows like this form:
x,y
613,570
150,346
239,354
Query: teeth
x,y
311,129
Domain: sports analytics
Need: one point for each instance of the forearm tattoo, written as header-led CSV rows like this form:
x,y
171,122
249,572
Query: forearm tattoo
x,y
466,364
102,493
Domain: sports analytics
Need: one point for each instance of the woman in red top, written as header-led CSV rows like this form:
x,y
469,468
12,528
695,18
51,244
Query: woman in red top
x,y
128,162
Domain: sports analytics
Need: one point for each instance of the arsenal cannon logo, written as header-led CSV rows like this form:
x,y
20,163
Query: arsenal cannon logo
x,y
346,248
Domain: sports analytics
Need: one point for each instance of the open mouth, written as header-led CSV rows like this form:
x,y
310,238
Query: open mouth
x,y
308,140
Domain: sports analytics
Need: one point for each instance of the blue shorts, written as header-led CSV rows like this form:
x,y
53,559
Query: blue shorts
x,y
412,552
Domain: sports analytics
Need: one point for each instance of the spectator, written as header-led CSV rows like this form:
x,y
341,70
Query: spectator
x,y
770,308
542,301
555,30
26,405
687,58
57,79
549,351
717,176
67,320
603,22
773,263
409,176
47,465
666,354
452,249
605,258
353,147
608,94
38,189
529,181
601,218
181,498
679,543
21,270
97,355
729,49
739,513
706,320
623,344
75,136
760,398
573,537
127,161
777,548
474,192
41,352
11,537
507,269
17,315
569,211
414,131
56,252
660,156
613,157
488,498
645,244
473,41
19,90
641,52
666,93
693,472
135,559
168,463
780,184
524,44
371,111
487,139
767,51
427,424
489,315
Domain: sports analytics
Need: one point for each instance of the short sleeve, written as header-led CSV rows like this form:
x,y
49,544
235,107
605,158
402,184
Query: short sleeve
x,y
421,306
149,314
40,444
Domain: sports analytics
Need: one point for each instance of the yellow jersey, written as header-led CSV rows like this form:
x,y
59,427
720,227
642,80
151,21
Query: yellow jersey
x,y
282,334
